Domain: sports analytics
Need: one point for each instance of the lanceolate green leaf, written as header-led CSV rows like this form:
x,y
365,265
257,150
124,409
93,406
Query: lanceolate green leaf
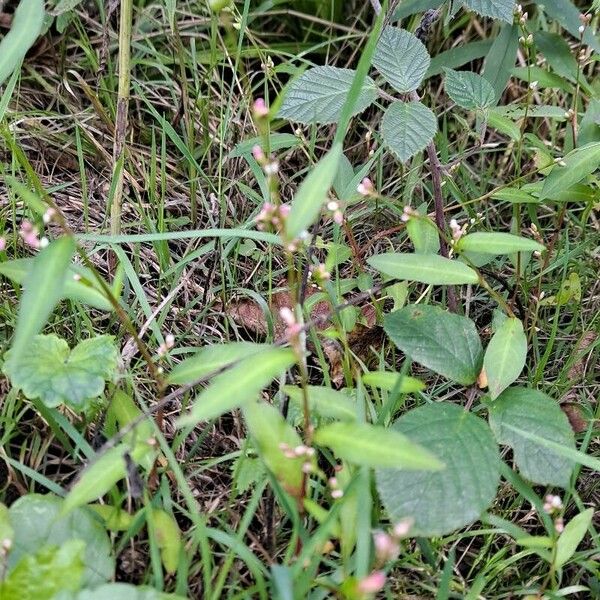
x,y
239,385
375,446
534,412
441,501
498,9
79,282
407,128
210,359
324,401
505,355
501,58
579,163
387,381
572,536
269,431
424,235
430,268
441,341
496,243
469,90
26,26
168,537
318,95
43,288
401,58
312,193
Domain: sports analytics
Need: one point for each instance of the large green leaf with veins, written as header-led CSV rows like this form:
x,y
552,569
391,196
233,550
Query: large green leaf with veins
x,y
438,502
441,341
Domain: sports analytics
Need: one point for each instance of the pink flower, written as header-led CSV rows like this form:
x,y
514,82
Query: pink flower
x,y
29,234
372,583
366,187
2,244
260,108
258,154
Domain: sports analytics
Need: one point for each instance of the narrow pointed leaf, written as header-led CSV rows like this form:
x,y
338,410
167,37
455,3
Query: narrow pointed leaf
x,y
25,28
497,243
210,359
441,341
505,355
312,193
270,431
375,446
430,268
579,163
238,385
324,401
43,289
572,536
387,381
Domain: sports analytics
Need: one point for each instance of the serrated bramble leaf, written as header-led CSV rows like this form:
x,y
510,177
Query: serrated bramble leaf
x,y
439,502
407,128
497,9
497,243
431,268
54,374
469,90
239,385
318,95
401,58
505,355
375,446
441,341
539,414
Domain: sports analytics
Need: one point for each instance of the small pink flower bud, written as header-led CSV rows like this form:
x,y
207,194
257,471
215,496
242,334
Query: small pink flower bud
x,y
260,108
402,528
287,316
258,154
372,583
2,244
337,494
386,548
366,187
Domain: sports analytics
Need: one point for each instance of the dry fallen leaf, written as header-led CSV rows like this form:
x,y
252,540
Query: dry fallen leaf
x,y
250,315
575,415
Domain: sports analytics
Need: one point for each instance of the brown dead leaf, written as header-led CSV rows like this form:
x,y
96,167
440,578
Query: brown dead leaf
x,y
577,371
250,315
575,415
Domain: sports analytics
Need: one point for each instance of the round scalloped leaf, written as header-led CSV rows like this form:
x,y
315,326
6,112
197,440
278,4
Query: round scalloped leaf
x,y
439,502
401,58
441,341
407,128
319,94
533,411
37,522
469,90
54,374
